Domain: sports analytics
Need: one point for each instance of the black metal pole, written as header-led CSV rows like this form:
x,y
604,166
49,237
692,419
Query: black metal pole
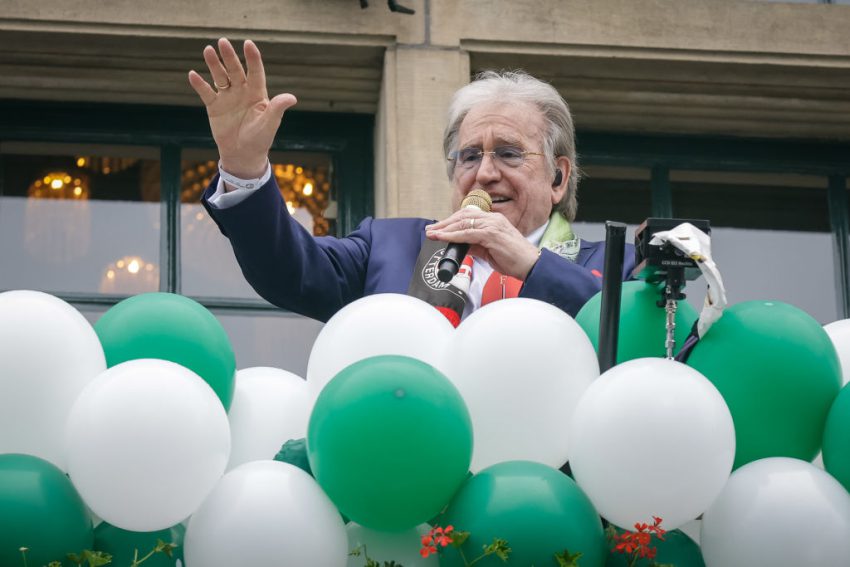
x,y
612,285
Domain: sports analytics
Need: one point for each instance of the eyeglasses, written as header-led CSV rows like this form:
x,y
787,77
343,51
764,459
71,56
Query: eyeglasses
x,y
470,158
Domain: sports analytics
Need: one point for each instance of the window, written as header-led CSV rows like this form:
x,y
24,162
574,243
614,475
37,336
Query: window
x,y
79,218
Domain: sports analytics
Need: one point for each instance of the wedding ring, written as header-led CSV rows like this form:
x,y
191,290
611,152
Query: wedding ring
x,y
471,224
223,87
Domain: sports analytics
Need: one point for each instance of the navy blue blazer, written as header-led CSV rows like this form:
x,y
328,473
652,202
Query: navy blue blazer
x,y
317,276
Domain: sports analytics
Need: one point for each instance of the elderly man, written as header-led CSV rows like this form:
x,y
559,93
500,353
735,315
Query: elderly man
x,y
509,135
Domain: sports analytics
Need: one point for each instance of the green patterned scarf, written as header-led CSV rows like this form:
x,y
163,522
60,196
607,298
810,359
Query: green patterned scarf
x,y
560,239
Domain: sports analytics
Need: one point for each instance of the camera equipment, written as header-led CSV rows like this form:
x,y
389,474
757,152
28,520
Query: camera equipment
x,y
661,262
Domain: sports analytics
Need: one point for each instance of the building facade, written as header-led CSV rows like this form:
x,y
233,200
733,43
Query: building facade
x,y
736,111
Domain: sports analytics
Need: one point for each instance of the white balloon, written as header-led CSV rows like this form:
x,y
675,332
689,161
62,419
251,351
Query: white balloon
x,y
266,514
780,512
147,440
652,437
521,366
270,406
401,547
48,353
839,333
385,323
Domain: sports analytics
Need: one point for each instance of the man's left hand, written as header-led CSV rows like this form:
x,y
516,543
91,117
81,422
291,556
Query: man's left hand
x,y
491,237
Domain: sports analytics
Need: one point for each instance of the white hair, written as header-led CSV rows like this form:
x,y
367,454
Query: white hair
x,y
559,138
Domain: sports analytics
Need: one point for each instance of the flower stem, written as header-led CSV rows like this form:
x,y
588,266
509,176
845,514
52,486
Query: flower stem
x,y
137,561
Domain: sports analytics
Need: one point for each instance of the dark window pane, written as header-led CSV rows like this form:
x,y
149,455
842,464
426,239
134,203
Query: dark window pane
x,y
614,193
752,200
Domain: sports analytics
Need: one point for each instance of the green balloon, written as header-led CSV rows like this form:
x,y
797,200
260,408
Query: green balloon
x,y
836,438
779,373
390,441
174,328
643,327
41,510
122,545
538,510
294,452
676,549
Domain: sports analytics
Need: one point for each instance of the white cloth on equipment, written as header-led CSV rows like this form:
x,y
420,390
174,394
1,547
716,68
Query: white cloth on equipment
x,y
697,245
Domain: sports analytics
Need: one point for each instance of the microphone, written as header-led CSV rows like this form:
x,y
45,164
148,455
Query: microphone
x,y
456,251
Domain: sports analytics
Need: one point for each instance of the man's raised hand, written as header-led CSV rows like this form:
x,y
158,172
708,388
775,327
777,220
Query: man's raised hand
x,y
243,120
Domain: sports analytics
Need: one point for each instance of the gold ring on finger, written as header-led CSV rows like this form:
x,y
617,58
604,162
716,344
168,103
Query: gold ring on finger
x,y
223,87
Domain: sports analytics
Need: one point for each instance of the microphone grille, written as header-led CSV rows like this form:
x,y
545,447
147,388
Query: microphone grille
x,y
477,198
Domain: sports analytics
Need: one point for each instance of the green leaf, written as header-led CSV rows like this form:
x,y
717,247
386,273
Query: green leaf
x,y
166,548
459,538
96,558
499,548
567,559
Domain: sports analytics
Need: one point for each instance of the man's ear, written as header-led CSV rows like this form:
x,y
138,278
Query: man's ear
x,y
562,177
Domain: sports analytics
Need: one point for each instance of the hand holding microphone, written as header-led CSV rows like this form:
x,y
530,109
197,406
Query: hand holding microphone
x,y
456,251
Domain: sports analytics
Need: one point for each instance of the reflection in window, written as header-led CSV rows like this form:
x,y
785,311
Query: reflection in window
x,y
209,268
70,214
304,181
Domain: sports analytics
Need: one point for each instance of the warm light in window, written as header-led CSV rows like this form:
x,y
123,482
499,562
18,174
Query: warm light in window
x,y
81,161
299,170
59,185
130,274
308,189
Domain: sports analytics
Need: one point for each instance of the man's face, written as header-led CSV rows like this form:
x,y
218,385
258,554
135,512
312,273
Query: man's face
x,y
523,194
